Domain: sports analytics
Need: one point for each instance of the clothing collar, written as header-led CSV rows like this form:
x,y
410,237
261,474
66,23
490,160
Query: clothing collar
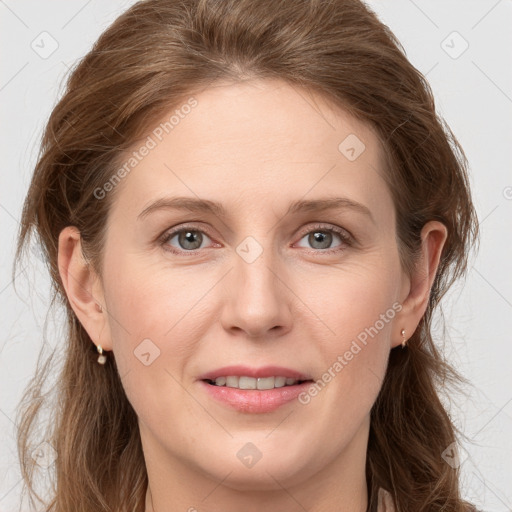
x,y
385,501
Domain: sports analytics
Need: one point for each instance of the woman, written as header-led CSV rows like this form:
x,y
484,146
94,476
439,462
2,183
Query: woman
x,y
217,358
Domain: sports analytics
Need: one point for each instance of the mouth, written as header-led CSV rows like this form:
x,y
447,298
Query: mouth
x,y
254,390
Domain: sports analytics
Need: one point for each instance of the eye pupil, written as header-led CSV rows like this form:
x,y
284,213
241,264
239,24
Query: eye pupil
x,y
186,237
325,239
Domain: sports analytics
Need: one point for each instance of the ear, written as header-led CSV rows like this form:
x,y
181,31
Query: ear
x,y
416,289
83,288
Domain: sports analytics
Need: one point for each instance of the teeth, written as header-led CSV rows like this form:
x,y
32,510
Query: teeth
x,y
262,383
220,381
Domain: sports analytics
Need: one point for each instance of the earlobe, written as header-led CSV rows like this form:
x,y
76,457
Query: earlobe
x,y
433,238
83,287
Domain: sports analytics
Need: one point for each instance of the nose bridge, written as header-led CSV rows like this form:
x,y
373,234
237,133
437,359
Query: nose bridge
x,y
257,301
255,259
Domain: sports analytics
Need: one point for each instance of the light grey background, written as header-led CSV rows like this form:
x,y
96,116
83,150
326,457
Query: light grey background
x,y
473,90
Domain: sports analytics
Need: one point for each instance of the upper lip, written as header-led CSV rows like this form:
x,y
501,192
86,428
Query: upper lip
x,y
264,371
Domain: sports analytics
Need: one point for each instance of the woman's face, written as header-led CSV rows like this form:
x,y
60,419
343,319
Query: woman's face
x,y
188,291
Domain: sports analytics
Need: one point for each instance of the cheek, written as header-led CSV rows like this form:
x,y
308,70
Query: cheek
x,y
155,330
359,307
146,298
354,297
154,317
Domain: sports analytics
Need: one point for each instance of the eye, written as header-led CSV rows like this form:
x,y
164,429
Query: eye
x,y
321,238
188,239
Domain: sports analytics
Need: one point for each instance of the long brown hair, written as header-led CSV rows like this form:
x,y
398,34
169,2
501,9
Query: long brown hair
x,y
152,57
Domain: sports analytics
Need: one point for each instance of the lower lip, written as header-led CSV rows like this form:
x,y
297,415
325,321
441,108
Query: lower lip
x,y
254,400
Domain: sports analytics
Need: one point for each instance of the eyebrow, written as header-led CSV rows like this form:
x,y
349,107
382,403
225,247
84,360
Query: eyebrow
x,y
206,206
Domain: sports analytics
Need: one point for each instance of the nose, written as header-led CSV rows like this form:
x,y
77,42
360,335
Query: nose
x,y
257,297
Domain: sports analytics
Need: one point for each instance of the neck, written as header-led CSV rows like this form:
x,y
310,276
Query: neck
x,y
338,486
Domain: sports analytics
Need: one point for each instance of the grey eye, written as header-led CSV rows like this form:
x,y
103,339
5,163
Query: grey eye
x,y
188,239
321,238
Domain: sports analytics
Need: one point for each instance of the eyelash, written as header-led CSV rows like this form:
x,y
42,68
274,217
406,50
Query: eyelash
x,y
345,238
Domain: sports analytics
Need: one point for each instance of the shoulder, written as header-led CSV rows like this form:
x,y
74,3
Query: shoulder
x,y
385,503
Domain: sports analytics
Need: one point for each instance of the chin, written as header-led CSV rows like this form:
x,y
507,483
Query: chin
x,y
263,477
288,467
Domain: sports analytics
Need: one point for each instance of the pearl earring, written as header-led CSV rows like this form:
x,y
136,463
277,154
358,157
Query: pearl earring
x,y
404,341
102,358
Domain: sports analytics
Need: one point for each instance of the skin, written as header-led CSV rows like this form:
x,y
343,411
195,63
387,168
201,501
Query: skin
x,y
255,147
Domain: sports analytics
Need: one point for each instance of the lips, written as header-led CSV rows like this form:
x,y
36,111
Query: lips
x,y
253,401
266,371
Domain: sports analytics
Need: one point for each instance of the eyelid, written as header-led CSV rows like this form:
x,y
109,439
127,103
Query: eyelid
x,y
345,235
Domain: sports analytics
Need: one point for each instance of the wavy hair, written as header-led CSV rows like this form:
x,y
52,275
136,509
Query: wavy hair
x,y
154,55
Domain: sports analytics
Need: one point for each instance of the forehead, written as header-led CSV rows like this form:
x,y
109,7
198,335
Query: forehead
x,y
253,143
